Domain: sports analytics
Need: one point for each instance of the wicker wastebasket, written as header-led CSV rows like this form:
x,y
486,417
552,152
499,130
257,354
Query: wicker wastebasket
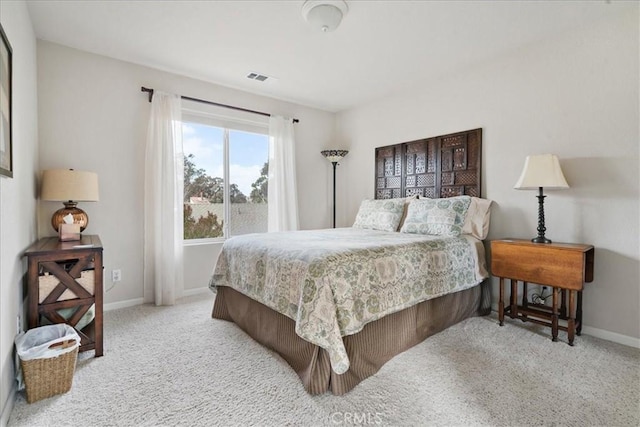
x,y
48,357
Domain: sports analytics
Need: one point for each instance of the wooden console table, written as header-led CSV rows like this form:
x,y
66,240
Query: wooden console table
x,y
72,274
562,266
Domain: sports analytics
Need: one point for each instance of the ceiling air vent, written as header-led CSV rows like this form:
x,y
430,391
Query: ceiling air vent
x,y
258,77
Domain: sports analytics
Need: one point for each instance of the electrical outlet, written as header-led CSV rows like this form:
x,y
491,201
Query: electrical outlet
x,y
116,275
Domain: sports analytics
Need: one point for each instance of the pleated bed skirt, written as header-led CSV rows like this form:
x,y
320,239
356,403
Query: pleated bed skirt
x,y
368,350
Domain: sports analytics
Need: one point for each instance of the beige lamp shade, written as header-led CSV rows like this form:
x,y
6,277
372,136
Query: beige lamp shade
x,y
542,170
68,184
70,187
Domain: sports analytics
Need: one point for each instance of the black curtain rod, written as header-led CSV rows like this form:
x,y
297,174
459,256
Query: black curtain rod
x,y
188,98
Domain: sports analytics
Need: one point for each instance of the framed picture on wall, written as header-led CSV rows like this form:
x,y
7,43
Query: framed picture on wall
x,y
6,146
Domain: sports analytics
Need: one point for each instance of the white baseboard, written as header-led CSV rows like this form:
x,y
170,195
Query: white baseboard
x,y
611,336
196,291
140,301
8,407
599,333
123,304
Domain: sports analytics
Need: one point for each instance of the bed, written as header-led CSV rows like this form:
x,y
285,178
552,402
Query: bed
x,y
337,304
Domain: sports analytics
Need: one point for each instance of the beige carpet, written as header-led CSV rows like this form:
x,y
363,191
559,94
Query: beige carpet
x,y
166,366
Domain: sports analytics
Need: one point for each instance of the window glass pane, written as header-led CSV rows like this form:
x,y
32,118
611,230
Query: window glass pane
x,y
248,171
203,180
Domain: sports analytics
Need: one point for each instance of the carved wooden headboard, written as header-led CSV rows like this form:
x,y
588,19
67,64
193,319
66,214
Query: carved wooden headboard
x,y
441,166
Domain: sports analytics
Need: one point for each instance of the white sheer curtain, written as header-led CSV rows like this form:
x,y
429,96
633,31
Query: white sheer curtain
x,y
283,198
163,193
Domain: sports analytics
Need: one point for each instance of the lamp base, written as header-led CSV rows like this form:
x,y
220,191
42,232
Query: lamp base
x,y
541,228
79,216
540,240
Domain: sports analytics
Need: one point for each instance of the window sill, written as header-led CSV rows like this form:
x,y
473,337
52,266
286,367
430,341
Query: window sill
x,y
201,242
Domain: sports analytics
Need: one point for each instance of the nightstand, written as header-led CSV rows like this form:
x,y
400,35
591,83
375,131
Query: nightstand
x,y
64,285
562,266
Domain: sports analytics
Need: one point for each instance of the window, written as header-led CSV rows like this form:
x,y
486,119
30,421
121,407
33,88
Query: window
x,y
226,165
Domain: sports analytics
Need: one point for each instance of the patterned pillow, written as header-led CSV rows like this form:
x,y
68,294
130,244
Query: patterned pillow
x,y
381,215
440,217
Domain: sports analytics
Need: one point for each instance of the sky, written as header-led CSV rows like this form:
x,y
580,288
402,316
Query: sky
x,y
248,152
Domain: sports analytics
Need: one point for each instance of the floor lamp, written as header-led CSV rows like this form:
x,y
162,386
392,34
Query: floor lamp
x,y
334,156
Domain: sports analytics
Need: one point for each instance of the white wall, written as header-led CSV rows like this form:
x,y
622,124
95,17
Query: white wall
x,y
17,194
93,117
575,96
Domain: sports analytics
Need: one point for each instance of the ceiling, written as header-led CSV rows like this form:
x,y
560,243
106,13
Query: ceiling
x,y
380,48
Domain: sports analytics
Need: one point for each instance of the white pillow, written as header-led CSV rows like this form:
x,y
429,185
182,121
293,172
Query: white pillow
x,y
383,214
476,222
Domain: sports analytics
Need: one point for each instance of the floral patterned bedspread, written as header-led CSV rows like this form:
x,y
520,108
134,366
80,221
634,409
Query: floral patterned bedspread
x,y
333,282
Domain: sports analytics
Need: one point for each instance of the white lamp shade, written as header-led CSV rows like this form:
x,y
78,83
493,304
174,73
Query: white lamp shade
x,y
541,170
68,184
324,15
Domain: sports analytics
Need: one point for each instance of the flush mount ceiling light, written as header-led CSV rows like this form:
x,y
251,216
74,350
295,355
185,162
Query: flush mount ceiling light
x,y
325,15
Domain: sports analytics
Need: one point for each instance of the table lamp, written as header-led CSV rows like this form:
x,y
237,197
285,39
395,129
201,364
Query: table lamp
x,y
541,171
69,187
